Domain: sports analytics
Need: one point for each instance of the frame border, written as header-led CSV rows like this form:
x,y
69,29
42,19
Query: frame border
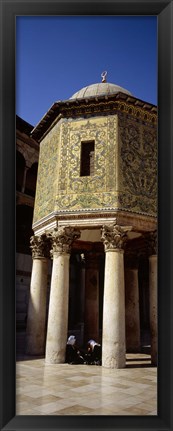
x,y
163,9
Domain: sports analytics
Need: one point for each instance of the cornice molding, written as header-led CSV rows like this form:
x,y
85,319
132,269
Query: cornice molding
x,y
94,106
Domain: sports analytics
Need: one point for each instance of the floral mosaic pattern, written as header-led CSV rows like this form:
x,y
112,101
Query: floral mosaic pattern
x,y
125,167
47,175
87,192
138,161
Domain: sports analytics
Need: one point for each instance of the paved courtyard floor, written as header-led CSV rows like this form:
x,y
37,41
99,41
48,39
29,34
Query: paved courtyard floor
x,y
64,389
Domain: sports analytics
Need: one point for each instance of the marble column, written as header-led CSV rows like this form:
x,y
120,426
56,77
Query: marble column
x,y
59,295
36,319
81,306
132,304
151,246
113,338
153,296
91,315
82,289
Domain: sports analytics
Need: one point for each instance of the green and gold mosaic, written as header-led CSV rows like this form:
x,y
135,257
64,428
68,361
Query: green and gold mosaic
x,y
138,167
87,192
125,167
47,175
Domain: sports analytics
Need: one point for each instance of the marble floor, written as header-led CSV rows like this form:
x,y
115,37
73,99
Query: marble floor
x,y
64,389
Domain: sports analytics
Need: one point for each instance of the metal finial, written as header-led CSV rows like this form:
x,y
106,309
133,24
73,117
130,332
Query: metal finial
x,y
103,75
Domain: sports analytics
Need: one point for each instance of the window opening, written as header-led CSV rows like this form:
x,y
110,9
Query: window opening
x,y
87,158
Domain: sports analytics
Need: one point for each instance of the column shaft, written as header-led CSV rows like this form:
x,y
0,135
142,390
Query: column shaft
x,y
91,321
37,308
58,309
153,306
24,179
132,310
113,342
91,328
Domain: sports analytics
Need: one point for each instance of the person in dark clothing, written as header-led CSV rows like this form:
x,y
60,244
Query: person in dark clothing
x,y
73,354
94,354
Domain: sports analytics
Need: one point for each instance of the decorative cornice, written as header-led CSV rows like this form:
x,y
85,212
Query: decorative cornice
x,y
110,107
140,222
125,104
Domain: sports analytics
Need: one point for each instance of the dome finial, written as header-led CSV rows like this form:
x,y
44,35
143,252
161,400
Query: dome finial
x,y
103,75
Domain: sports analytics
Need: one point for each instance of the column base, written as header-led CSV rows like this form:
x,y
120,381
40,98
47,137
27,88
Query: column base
x,y
114,359
113,363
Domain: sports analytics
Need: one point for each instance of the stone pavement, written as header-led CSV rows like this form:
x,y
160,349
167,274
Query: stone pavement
x,y
63,389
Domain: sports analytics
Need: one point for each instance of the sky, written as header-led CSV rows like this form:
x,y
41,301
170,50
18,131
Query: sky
x,y
58,55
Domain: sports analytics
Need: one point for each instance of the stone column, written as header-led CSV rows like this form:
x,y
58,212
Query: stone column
x,y
113,339
35,331
153,296
59,295
91,315
132,304
24,179
82,289
81,306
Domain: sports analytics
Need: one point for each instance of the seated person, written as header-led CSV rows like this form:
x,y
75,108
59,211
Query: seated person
x,y
73,354
94,353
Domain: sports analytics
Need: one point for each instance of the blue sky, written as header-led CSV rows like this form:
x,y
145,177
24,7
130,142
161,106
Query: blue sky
x,y
58,55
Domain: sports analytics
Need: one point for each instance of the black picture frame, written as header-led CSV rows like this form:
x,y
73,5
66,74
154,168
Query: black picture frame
x,y
163,9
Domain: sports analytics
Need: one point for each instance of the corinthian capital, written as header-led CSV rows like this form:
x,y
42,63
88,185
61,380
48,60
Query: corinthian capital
x,y
114,236
39,246
63,238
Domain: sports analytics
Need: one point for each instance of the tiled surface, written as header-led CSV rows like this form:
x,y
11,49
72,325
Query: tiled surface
x,y
64,389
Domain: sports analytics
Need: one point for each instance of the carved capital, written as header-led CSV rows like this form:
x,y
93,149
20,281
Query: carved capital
x,y
63,238
151,242
114,236
39,246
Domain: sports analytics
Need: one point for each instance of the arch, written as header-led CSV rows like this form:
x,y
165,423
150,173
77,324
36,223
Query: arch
x,y
31,178
20,168
29,153
21,150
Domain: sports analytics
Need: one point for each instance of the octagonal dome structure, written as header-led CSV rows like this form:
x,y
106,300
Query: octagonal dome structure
x,y
99,89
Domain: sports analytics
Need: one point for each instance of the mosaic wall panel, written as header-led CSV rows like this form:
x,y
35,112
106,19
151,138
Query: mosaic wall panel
x,y
138,166
125,167
91,192
47,174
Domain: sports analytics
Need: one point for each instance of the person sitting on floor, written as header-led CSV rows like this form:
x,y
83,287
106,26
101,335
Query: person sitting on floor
x,y
94,353
73,354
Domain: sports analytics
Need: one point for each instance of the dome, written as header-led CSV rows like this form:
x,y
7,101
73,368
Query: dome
x,y
100,89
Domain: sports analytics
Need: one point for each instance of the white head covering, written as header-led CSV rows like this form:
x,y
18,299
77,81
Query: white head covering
x,y
71,340
92,343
